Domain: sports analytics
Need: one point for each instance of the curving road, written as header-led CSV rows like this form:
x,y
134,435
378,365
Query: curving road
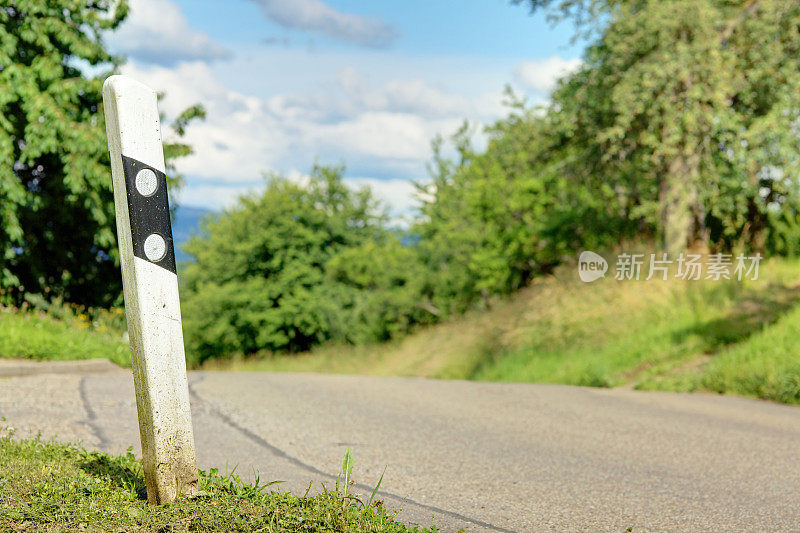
x,y
478,456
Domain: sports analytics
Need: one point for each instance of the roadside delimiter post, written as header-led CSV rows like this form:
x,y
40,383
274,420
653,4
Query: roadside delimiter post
x,y
147,258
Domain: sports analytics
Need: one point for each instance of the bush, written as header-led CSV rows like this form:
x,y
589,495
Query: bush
x,y
299,265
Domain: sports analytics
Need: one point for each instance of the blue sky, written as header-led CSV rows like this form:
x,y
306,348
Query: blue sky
x,y
290,82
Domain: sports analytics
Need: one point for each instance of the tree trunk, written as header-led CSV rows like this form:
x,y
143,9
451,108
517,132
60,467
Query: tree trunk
x,y
681,211
754,236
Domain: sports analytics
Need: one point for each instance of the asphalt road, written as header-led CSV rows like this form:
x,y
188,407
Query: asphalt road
x,y
479,456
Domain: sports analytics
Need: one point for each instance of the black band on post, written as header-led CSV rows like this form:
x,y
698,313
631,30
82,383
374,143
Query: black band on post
x,y
149,214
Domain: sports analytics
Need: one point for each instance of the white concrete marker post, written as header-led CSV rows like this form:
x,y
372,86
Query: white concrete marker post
x,y
151,289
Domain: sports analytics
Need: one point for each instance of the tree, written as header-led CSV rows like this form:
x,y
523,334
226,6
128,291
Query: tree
x,y
685,94
261,280
680,124
492,221
57,230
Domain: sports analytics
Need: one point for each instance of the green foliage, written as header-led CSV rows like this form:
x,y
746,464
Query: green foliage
x,y
682,109
56,208
298,265
57,232
492,221
379,289
55,487
679,125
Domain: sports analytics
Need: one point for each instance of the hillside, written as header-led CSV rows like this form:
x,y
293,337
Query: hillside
x,y
721,336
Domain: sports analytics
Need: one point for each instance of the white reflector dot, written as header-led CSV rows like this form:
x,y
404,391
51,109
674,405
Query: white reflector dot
x,y
146,182
155,247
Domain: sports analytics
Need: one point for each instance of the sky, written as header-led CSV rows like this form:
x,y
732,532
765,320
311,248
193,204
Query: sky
x,y
367,84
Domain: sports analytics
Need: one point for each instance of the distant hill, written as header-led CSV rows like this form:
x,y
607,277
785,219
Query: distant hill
x,y
185,224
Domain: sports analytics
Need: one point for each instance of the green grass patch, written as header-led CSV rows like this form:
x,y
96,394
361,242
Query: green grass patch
x,y
612,334
766,365
45,486
40,336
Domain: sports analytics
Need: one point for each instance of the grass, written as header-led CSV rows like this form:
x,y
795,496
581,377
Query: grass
x,y
719,336
40,336
45,486
766,365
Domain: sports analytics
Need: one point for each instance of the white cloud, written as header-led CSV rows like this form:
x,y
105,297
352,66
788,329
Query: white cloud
x,y
543,74
389,136
351,93
318,17
156,31
237,140
416,95
379,125
383,131
213,197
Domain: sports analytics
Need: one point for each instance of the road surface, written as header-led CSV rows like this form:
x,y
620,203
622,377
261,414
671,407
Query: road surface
x,y
478,456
